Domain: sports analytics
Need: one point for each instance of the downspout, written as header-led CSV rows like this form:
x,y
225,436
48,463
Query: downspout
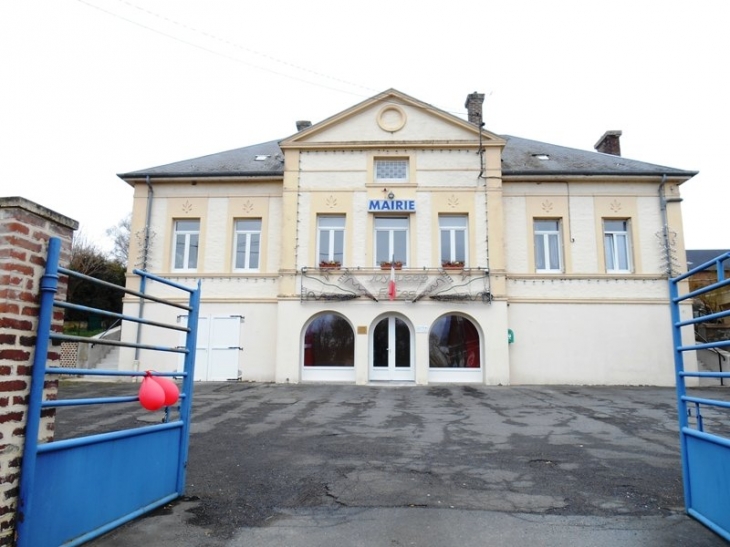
x,y
145,255
665,224
146,249
663,200
482,175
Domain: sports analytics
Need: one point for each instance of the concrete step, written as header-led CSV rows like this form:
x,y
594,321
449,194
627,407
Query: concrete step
x,y
110,360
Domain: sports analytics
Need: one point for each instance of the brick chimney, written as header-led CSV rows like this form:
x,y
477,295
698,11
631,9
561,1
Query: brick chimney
x,y
303,124
609,143
473,106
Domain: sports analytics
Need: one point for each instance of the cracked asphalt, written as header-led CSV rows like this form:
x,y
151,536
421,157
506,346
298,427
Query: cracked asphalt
x,y
322,465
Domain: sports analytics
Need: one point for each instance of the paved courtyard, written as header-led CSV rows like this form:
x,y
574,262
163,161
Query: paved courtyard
x,y
434,465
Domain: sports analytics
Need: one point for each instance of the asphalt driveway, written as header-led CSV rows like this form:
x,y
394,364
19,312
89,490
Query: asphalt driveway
x,y
439,465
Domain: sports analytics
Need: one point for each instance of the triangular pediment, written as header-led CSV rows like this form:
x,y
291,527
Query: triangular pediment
x,y
391,118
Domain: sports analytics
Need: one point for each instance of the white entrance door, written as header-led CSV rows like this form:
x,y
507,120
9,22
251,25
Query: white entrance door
x,y
390,351
217,348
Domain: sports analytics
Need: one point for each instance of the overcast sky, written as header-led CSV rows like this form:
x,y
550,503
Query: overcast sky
x,y
92,88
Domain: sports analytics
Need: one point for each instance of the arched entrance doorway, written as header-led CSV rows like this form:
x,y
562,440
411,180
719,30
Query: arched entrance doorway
x,y
391,350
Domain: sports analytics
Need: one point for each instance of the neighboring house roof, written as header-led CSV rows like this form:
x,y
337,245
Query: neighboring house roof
x,y
698,257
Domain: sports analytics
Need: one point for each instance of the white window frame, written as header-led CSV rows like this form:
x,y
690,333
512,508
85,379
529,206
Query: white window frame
x,y
612,248
382,162
330,227
391,226
247,234
450,228
189,237
552,241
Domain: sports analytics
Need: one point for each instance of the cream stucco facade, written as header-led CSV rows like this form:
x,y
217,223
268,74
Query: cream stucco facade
x,y
535,299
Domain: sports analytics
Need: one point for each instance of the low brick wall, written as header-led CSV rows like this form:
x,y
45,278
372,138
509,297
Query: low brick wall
x,y
25,229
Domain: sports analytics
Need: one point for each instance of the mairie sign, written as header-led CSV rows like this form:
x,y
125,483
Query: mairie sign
x,y
406,205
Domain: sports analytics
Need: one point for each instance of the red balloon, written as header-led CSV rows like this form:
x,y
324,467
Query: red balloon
x,y
151,394
172,393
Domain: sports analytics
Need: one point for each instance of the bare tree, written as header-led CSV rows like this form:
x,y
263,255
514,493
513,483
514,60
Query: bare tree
x,y
120,239
89,259
86,258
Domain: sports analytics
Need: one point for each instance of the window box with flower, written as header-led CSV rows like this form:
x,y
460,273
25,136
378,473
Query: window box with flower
x,y
397,265
452,265
329,264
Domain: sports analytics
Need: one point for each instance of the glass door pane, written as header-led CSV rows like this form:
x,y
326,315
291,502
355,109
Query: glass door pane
x,y
391,355
380,344
402,344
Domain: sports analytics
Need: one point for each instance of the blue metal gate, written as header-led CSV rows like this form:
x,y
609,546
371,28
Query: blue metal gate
x,y
74,490
705,453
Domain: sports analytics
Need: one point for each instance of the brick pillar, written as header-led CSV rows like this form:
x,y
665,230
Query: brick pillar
x,y
25,228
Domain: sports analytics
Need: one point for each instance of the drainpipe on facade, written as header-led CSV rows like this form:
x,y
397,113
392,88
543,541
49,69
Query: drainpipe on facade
x,y
473,105
665,223
482,171
145,250
145,255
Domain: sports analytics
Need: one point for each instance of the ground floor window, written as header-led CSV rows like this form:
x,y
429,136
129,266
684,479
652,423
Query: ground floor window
x,y
329,341
454,343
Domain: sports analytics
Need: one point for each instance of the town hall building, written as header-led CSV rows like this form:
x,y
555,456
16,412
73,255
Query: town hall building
x,y
396,242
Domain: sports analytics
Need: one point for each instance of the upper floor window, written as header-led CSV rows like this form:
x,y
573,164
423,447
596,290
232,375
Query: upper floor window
x,y
548,248
453,229
391,170
247,244
186,242
617,245
331,238
391,240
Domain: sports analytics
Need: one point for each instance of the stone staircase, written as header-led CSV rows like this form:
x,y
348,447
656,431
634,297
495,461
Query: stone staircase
x,y
110,361
713,361
98,356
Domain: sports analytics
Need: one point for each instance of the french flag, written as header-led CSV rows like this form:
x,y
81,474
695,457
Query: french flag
x,y
391,283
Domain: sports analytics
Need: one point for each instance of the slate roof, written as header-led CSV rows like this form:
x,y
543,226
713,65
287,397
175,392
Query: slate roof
x,y
520,157
697,257
240,162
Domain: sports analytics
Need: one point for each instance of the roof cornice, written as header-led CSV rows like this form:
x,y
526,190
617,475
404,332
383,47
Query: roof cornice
x,y
370,145
210,177
531,176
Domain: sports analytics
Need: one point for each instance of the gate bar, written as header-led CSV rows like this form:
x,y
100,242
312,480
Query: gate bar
x,y
104,313
133,292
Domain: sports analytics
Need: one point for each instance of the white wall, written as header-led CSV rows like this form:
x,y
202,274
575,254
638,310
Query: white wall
x,y
619,344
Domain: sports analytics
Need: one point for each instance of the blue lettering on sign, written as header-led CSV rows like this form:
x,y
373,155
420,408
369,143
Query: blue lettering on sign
x,y
408,205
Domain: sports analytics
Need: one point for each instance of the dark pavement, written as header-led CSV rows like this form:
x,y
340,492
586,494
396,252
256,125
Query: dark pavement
x,y
321,465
